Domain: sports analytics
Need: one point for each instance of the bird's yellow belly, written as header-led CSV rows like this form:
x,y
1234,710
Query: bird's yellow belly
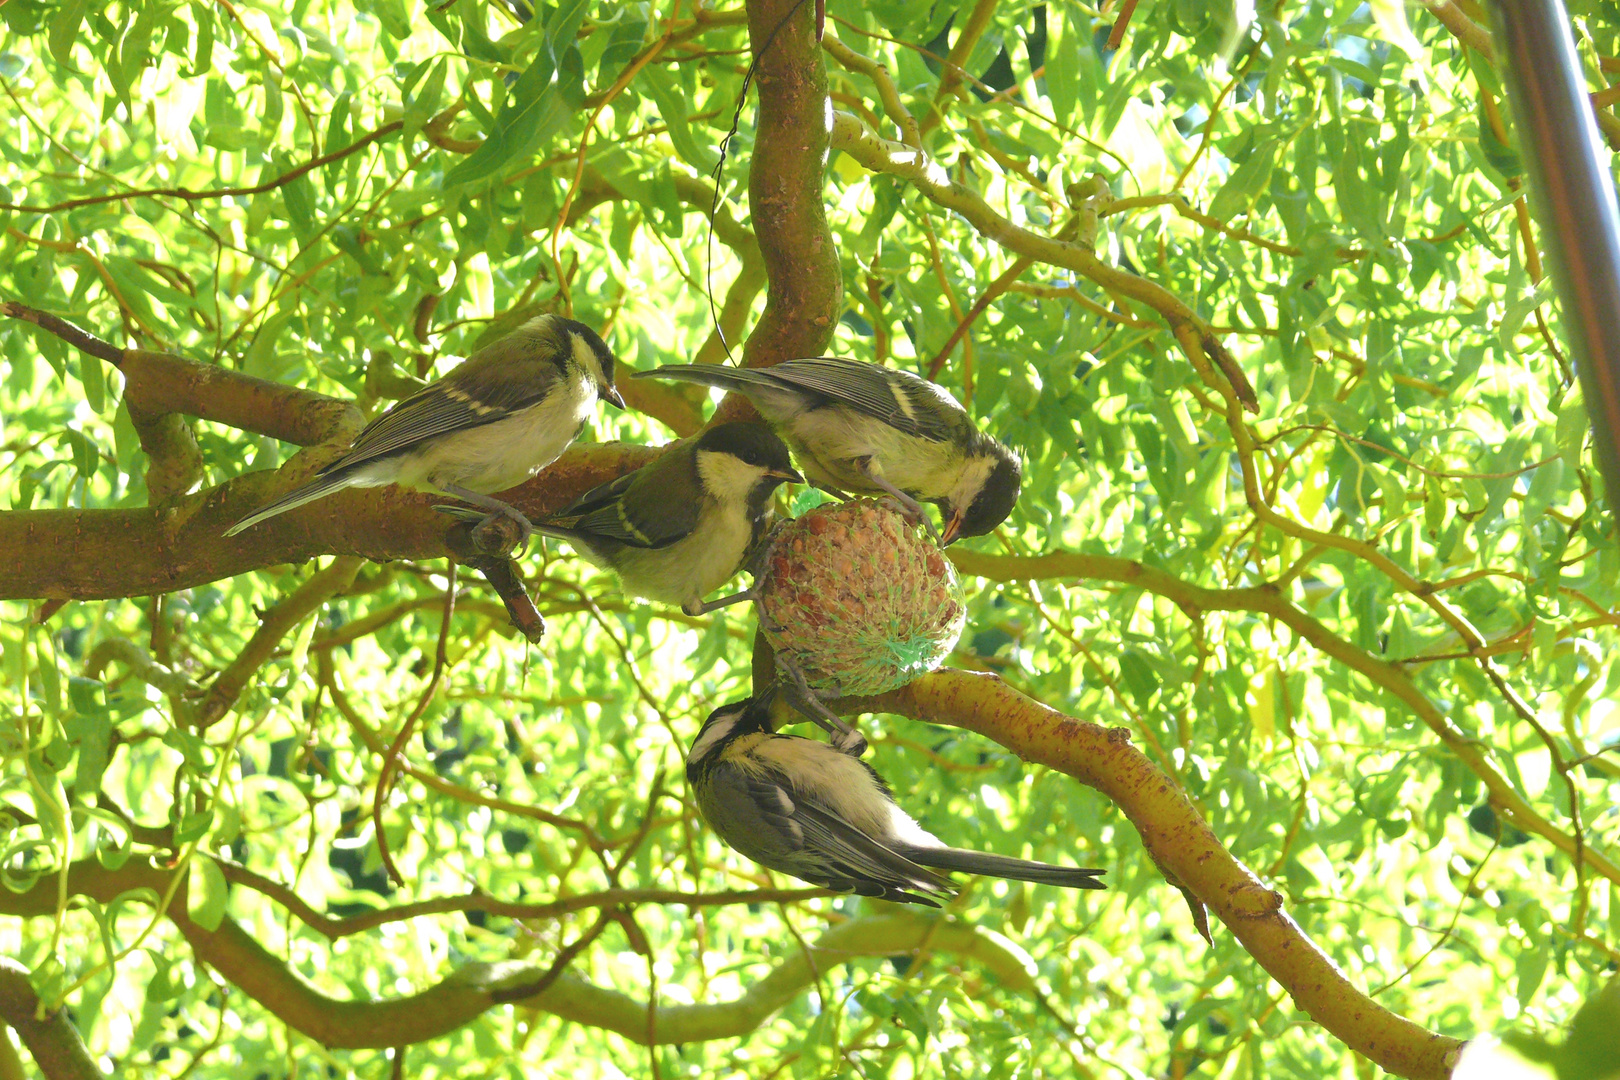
x,y
492,457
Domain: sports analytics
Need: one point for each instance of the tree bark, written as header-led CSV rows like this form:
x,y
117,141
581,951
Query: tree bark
x,y
108,554
804,290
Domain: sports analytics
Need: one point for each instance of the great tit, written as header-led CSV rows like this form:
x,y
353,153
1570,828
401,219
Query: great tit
x,y
821,814
871,430
681,526
502,415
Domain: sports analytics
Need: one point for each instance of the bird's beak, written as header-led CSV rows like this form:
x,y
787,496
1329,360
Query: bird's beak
x,y
786,474
610,394
953,529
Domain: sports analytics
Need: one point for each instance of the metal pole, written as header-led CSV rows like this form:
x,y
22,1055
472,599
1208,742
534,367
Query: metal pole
x,y
1573,196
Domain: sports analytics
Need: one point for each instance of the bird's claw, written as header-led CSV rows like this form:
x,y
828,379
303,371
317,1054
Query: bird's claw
x,y
525,530
488,510
904,504
495,528
851,742
807,702
494,531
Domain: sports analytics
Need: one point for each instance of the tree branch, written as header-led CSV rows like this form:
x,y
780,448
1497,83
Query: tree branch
x,y
156,384
333,928
950,80
275,624
1195,336
141,664
461,997
137,552
1266,600
1181,842
53,1041
804,293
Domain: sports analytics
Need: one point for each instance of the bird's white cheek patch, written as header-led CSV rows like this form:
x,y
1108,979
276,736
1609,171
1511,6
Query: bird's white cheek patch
x,y
585,356
727,478
709,738
975,474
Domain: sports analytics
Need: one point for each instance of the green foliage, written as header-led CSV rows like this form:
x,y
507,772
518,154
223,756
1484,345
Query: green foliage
x,y
283,189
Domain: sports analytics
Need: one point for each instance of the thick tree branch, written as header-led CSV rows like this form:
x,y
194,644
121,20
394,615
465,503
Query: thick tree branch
x,y
156,384
53,1041
804,294
121,553
174,461
1181,842
11,1064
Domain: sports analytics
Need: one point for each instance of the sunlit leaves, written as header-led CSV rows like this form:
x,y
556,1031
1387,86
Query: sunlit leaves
x,y
1335,207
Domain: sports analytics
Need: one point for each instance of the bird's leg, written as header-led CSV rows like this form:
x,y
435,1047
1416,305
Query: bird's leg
x,y
762,551
755,567
492,506
908,506
697,607
844,738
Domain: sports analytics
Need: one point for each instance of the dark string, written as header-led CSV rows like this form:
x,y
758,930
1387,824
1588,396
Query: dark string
x,y
719,169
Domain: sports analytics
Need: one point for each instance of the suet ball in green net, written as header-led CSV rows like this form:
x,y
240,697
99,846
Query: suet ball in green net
x,y
858,598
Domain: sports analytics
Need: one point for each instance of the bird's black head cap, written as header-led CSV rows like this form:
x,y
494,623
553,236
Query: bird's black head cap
x,y
754,443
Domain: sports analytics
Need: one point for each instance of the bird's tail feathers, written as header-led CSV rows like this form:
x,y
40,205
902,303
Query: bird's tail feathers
x,y
315,489
978,862
721,375
557,532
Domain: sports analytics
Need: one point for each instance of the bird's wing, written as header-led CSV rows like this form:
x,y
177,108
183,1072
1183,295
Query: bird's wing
x,y
787,830
870,867
469,396
620,509
898,398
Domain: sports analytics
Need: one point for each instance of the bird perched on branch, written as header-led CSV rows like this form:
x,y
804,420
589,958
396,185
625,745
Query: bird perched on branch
x,y
871,430
501,416
683,525
818,812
